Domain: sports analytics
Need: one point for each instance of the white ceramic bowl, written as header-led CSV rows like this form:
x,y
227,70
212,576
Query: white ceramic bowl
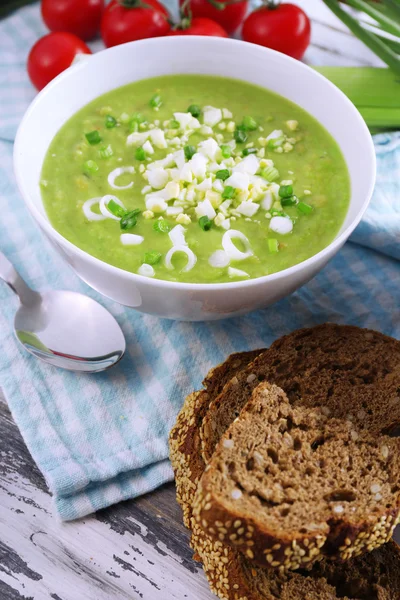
x,y
213,56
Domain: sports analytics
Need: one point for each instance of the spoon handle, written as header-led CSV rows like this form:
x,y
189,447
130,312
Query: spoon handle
x,y
8,274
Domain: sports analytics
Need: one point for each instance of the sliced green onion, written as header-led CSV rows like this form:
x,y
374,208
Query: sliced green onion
x,y
174,124
228,192
110,122
273,245
140,154
189,151
106,151
152,258
156,101
205,223
116,209
240,135
248,151
90,166
162,226
277,213
270,174
249,123
129,219
194,110
93,137
226,151
133,126
289,201
275,143
222,174
285,191
305,208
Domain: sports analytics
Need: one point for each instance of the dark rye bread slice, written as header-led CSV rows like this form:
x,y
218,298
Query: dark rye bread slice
x,y
287,484
375,576
351,373
184,439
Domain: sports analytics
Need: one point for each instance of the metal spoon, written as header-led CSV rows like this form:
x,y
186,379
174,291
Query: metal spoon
x,y
65,329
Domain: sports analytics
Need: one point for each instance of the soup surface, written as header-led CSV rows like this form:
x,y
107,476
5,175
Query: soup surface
x,y
196,179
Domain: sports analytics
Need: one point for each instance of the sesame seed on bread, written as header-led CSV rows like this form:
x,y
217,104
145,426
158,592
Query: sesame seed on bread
x,y
287,484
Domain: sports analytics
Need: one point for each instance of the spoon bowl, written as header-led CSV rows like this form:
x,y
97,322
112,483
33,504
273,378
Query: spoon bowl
x,y
66,329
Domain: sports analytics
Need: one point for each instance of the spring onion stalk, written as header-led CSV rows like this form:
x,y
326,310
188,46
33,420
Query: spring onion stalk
x,y
374,91
189,151
273,245
140,154
248,151
106,152
93,137
205,223
304,208
152,258
270,174
226,151
194,110
110,122
161,226
228,192
374,42
90,167
222,174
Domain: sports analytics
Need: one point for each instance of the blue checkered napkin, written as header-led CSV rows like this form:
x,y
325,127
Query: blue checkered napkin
x,y
102,438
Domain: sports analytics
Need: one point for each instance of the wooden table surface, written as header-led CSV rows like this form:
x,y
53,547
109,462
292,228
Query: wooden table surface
x,y
139,548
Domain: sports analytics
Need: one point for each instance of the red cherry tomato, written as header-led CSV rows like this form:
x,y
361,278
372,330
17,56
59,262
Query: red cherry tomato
x,y
285,28
142,19
81,17
199,26
51,55
229,17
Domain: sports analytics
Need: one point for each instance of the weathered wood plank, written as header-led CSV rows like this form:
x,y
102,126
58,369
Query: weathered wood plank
x,y
138,548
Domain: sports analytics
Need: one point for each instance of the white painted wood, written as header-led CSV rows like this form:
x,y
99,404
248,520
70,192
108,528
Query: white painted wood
x,y
90,560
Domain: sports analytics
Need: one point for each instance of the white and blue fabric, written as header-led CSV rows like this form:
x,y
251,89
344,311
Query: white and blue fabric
x,y
99,439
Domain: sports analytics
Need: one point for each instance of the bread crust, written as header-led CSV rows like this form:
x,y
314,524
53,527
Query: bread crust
x,y
184,439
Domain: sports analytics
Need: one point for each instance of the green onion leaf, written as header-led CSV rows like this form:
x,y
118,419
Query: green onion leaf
x,y
140,154
156,101
228,192
205,223
90,166
248,151
222,174
226,151
110,122
270,174
152,258
133,126
240,135
273,245
285,191
289,201
129,219
106,151
161,226
93,137
194,110
189,151
116,209
249,123
305,208
174,124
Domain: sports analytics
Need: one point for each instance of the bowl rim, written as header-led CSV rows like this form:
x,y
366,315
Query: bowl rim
x,y
46,225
